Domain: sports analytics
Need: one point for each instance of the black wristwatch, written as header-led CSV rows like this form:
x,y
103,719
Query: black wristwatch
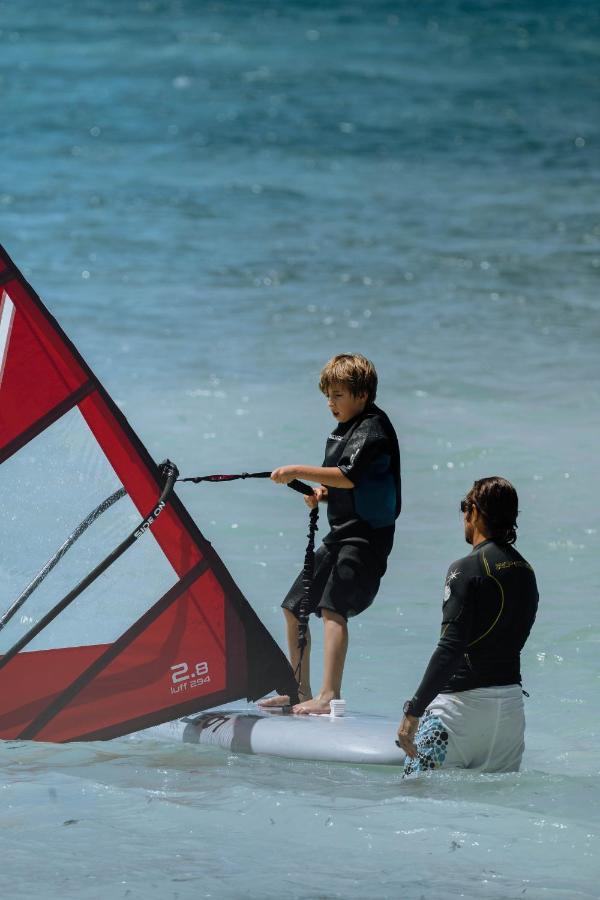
x,y
408,709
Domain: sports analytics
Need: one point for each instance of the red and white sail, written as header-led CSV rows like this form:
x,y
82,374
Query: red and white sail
x,y
200,644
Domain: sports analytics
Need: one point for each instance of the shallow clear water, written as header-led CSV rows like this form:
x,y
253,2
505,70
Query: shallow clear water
x,y
214,198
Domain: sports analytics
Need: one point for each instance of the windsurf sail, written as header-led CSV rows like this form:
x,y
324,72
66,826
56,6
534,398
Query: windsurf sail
x,y
186,638
56,557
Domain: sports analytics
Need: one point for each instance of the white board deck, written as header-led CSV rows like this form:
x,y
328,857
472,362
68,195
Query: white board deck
x,y
350,738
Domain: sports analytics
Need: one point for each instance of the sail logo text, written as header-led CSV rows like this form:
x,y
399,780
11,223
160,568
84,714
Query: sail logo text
x,y
148,522
184,677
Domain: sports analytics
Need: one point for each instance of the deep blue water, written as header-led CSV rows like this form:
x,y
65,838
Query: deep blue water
x,y
214,198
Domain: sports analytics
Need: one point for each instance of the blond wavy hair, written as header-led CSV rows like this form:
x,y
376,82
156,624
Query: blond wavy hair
x,y
353,371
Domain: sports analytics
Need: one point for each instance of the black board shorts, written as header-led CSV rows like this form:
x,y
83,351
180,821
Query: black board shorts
x,y
346,581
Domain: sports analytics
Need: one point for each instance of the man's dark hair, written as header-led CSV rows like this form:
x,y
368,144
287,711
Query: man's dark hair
x,y
498,503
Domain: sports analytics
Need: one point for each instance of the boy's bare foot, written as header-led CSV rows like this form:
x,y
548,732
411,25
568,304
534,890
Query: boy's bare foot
x,y
274,702
319,706
279,701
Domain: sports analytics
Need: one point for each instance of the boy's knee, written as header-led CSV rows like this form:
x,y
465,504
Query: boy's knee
x,y
330,616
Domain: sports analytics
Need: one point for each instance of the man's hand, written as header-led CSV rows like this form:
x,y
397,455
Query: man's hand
x,y
284,474
406,735
319,494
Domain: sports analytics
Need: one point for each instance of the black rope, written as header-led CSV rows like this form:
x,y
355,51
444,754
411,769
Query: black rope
x,y
295,484
308,575
198,478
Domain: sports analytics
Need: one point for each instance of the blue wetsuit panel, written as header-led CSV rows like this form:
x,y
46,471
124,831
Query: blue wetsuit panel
x,y
375,494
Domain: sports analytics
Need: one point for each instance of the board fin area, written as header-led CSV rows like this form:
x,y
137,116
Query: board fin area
x,y
161,632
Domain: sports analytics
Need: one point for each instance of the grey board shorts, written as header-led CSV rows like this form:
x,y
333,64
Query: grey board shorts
x,y
482,729
346,581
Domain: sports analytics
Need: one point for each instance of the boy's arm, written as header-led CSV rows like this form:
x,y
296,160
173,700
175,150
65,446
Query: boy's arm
x,y
329,476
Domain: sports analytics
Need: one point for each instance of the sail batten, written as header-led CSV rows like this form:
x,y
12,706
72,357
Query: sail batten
x,y
199,644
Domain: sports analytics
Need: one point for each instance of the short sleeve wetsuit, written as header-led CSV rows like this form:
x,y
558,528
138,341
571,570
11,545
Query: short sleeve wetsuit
x,y
353,557
490,603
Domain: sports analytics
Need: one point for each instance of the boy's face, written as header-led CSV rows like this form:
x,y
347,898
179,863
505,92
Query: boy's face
x,y
344,405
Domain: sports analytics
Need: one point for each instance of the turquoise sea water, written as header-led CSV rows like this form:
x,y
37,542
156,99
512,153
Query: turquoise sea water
x,y
213,198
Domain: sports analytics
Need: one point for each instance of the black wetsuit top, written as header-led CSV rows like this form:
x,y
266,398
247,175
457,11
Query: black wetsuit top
x,y
366,451
490,603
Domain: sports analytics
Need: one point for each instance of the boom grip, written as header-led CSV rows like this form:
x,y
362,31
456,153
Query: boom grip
x,y
301,487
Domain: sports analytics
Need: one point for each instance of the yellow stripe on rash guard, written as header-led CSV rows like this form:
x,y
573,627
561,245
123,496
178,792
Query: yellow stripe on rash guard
x,y
495,622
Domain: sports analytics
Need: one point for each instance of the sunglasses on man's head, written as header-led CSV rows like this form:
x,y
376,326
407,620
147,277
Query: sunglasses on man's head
x,y
466,505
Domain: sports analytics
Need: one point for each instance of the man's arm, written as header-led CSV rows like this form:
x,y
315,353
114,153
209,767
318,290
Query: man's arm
x,y
329,476
456,628
444,661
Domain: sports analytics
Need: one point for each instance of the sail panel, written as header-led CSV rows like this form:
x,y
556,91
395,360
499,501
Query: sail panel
x,y
37,385
198,645
123,451
171,658
35,679
52,485
138,673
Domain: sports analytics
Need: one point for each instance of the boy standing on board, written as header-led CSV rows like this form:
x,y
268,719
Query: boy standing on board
x,y
360,480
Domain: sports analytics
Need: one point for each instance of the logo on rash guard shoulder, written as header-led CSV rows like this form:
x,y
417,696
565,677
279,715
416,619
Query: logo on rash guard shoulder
x,y
448,590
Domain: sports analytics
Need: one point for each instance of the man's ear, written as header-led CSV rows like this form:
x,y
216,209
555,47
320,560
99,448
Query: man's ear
x,y
475,518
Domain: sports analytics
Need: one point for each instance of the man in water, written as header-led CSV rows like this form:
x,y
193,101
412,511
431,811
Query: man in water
x,y
468,710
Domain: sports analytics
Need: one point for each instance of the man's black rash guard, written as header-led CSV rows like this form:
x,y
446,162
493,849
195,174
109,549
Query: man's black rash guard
x,y
490,604
366,451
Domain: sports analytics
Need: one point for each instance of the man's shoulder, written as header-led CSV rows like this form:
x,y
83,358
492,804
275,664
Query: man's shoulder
x,y
462,574
466,566
503,557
